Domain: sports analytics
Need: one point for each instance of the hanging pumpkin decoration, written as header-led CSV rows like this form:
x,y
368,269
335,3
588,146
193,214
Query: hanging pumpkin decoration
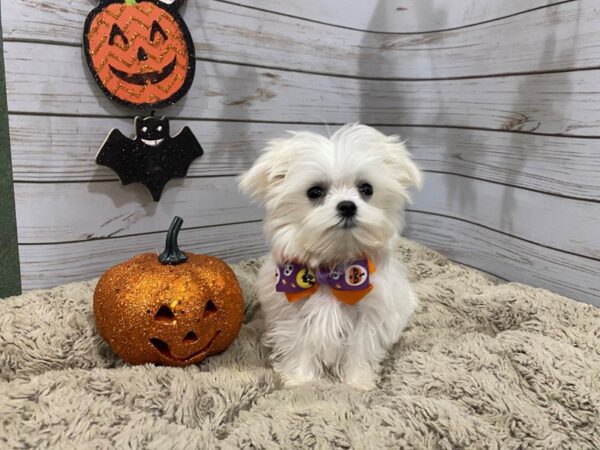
x,y
140,52
172,309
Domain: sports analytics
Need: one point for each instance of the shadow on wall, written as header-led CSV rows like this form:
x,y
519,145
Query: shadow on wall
x,y
525,111
529,110
238,104
390,49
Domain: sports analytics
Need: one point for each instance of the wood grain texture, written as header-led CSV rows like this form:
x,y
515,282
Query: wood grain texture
x,y
562,166
547,220
49,265
10,281
226,32
43,79
68,212
398,16
107,209
53,149
507,257
508,93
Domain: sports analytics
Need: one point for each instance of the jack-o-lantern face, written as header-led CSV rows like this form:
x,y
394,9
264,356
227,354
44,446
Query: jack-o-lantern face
x,y
140,52
175,314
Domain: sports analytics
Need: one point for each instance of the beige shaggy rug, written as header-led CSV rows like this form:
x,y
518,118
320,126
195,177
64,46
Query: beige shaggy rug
x,y
482,365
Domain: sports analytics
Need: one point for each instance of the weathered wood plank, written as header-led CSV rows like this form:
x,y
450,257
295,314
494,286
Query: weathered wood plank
x,y
51,148
507,257
42,78
50,265
399,16
63,149
107,209
227,32
544,219
410,16
563,166
80,211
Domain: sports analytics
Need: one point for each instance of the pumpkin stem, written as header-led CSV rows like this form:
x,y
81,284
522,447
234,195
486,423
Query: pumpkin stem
x,y
172,253
130,2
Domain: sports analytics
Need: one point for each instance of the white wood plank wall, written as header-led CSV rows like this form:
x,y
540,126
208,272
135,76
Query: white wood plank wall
x,y
499,101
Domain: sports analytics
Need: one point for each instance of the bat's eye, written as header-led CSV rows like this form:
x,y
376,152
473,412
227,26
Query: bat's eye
x,y
144,129
159,128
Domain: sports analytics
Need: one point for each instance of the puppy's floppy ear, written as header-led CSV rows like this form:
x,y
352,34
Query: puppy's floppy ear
x,y
403,167
268,170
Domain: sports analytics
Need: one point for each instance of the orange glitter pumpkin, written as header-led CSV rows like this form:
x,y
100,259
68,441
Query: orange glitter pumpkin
x,y
140,52
173,309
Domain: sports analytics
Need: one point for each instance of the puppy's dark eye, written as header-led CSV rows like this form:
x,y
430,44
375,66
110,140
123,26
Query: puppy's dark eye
x,y
315,192
365,189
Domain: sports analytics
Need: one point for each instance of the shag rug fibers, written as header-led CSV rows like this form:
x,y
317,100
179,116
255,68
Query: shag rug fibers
x,y
483,364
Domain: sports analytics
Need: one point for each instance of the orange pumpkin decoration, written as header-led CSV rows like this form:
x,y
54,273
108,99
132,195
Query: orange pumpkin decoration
x,y
173,309
140,52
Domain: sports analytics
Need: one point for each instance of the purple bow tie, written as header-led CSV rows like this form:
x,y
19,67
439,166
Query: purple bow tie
x,y
349,282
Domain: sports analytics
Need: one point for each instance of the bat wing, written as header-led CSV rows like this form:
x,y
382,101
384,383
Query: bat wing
x,y
120,154
181,150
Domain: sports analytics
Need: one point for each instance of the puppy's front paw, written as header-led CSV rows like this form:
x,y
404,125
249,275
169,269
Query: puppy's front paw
x,y
302,371
362,380
290,380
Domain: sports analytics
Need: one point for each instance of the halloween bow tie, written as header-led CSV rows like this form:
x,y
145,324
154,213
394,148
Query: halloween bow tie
x,y
349,282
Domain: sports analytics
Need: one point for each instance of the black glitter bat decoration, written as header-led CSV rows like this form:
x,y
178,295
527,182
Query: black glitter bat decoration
x,y
153,157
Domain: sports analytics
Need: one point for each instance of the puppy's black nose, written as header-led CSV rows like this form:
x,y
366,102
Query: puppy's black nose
x,y
347,208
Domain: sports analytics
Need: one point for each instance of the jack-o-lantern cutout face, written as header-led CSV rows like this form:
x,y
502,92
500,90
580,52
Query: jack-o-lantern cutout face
x,y
140,52
173,313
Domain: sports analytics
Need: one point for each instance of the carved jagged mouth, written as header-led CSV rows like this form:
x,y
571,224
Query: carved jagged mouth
x,y
164,349
143,79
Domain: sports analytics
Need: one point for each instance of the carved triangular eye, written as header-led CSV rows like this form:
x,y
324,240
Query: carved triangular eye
x,y
210,309
116,31
164,313
156,28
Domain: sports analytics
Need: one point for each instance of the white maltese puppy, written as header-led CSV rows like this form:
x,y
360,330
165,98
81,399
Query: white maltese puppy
x,y
334,295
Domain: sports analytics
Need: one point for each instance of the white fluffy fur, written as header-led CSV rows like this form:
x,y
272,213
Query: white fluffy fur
x,y
319,333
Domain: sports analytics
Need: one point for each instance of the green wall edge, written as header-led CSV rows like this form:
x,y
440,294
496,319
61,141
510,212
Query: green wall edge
x,y
10,273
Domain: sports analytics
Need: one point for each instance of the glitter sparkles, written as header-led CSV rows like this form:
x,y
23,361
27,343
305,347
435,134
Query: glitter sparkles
x,y
133,298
